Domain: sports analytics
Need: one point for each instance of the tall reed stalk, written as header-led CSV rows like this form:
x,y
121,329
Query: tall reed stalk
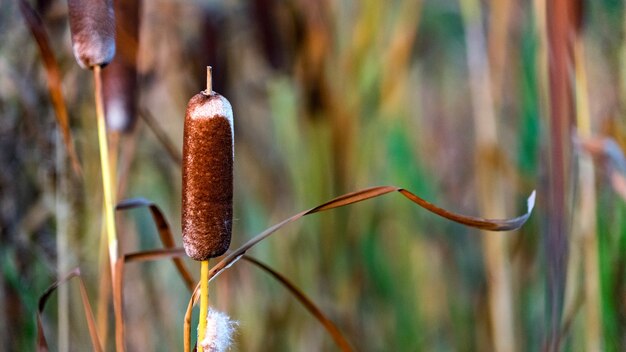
x,y
490,186
560,31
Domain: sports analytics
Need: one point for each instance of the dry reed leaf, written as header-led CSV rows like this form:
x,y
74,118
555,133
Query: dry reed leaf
x,y
165,233
53,73
330,327
361,195
42,344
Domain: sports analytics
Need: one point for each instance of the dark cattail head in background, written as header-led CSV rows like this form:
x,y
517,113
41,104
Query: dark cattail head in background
x,y
208,153
92,24
119,80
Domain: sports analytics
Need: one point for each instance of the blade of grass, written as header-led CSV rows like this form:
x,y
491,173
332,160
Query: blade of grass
x,y
53,74
330,327
42,344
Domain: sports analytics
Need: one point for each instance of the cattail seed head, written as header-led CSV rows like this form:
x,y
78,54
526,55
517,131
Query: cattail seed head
x,y
207,176
119,80
92,24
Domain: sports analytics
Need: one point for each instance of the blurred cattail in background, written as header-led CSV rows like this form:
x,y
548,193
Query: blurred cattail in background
x,y
92,23
119,80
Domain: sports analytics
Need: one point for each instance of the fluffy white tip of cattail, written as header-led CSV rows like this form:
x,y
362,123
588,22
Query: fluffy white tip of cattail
x,y
219,331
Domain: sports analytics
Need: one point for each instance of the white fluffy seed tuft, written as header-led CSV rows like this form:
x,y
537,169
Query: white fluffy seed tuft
x,y
219,331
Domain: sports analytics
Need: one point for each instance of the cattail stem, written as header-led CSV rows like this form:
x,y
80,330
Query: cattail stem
x,y
204,301
107,180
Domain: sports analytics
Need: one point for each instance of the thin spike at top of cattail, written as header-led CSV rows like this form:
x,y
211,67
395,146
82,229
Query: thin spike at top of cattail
x,y
209,80
92,25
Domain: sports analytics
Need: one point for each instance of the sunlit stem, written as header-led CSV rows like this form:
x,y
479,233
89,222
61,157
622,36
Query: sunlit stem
x,y
107,182
204,301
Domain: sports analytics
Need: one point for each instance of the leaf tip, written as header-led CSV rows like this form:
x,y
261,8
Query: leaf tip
x,y
531,201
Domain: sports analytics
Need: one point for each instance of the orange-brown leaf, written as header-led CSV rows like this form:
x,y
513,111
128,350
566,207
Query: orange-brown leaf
x,y
53,73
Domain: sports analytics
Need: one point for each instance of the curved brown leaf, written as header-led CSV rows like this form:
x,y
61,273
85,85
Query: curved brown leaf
x,y
368,193
42,344
332,329
53,73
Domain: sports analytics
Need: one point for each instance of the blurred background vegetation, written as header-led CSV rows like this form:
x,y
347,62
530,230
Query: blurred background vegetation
x,y
446,98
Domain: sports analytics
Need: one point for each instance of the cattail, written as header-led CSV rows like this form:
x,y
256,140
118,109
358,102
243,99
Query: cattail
x,y
207,175
119,80
92,24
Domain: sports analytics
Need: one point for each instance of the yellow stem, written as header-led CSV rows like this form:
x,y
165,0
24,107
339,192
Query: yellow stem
x,y
204,301
107,183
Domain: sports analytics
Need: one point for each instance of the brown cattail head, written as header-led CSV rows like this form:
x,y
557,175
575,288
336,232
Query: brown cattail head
x,y
119,80
92,23
207,176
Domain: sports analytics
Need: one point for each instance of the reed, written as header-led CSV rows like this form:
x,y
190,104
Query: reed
x,y
489,180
